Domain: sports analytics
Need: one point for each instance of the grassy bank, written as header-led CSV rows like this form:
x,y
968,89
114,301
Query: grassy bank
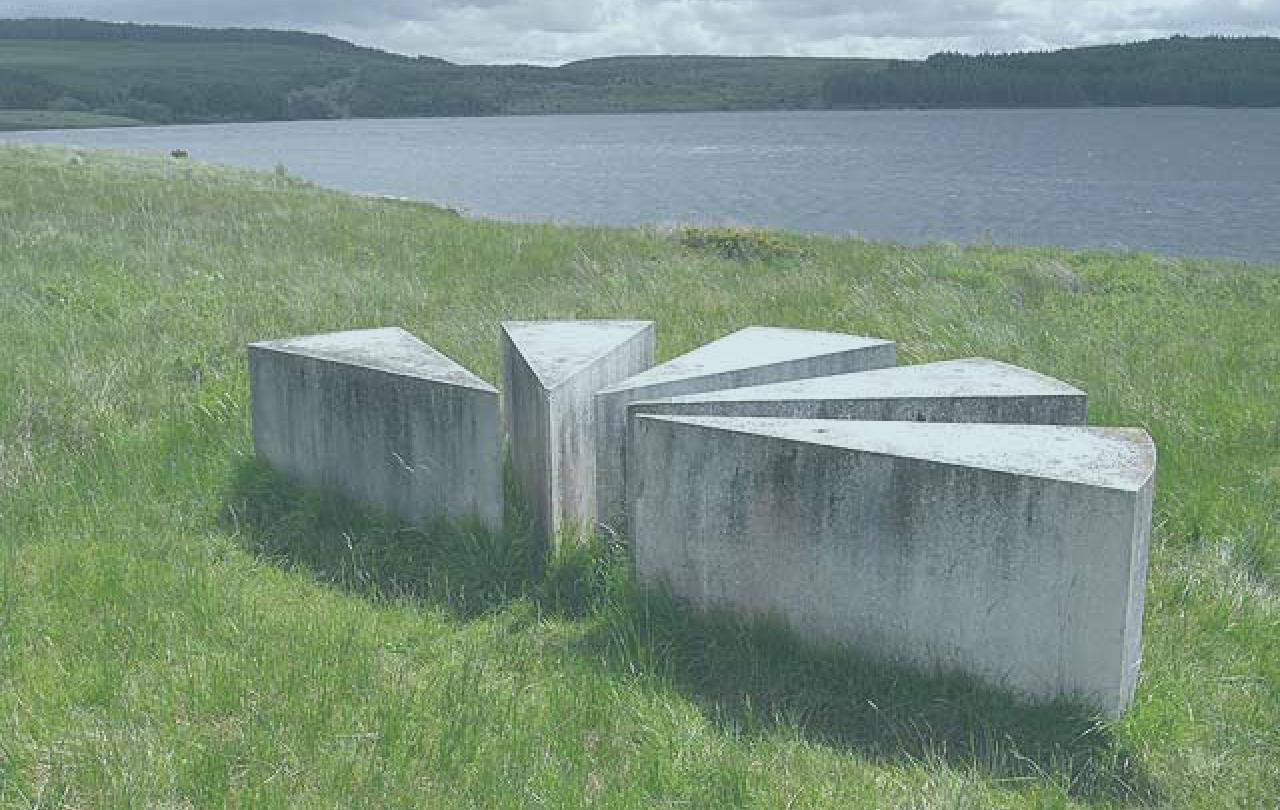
x,y
51,119
180,629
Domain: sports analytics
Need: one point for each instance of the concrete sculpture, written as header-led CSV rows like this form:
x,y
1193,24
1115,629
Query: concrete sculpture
x,y
551,372
1014,553
955,516
971,390
382,418
752,356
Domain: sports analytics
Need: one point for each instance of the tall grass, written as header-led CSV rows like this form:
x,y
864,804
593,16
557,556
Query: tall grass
x,y
181,628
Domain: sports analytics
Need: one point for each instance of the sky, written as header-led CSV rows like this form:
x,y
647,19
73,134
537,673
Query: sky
x,y
557,31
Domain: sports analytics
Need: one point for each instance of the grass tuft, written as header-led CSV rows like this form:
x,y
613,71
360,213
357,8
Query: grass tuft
x,y
740,244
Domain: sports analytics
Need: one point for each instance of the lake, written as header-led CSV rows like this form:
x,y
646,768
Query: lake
x,y
1177,181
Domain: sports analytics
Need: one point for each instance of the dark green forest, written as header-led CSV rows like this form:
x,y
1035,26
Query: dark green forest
x,y
170,74
1205,71
57,70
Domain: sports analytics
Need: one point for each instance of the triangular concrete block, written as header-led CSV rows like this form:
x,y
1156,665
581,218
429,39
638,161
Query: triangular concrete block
x,y
382,418
970,390
557,351
551,371
390,349
1113,458
751,356
1014,553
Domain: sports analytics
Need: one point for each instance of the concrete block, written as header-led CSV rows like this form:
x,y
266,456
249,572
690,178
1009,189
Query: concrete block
x,y
1014,553
752,356
551,372
382,418
971,390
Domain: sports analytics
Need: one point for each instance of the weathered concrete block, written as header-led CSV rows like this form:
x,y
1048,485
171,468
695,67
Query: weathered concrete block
x,y
752,356
971,390
381,417
1014,553
551,372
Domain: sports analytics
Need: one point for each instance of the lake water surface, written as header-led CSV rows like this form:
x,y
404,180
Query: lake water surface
x,y
1177,181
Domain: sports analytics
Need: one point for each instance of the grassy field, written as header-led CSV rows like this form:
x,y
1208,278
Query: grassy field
x,y
179,628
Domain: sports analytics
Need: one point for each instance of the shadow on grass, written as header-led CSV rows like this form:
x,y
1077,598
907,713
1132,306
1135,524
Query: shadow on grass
x,y
754,677
747,678
462,568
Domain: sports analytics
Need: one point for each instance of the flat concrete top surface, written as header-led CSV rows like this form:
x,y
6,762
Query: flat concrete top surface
x,y
390,349
1113,458
556,350
970,377
752,347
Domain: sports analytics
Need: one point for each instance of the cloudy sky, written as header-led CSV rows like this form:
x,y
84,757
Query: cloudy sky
x,y
554,31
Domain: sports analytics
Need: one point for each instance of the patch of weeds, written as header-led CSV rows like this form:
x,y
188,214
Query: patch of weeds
x,y
740,244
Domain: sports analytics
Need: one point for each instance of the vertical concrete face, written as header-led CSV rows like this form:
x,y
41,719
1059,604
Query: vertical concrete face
x,y
1014,553
971,390
551,371
753,356
382,418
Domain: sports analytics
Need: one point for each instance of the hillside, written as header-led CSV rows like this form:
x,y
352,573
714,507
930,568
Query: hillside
x,y
164,74
77,72
179,627
1185,71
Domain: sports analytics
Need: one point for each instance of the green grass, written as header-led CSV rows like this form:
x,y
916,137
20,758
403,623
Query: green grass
x,y
55,119
179,628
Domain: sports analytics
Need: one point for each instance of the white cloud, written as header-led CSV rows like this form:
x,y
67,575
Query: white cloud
x,y
552,31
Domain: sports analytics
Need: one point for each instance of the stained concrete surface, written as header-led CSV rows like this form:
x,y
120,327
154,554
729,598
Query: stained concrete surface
x,y
551,372
1014,553
752,356
382,418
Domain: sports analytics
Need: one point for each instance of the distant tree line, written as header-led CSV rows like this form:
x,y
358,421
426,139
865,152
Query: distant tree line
x,y
96,31
233,75
1210,71
124,69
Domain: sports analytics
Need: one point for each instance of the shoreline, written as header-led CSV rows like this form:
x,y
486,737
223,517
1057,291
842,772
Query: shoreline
x,y
657,225
923,108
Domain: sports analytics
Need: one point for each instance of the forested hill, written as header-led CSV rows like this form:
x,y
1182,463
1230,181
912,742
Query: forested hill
x,y
176,74
66,72
1209,71
62,29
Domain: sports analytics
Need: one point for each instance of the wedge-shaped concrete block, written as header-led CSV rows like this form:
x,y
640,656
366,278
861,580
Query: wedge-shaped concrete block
x,y
971,390
752,356
1014,553
381,417
551,371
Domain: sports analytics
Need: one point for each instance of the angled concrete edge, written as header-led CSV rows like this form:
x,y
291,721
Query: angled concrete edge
x,y
382,418
551,370
390,349
1014,553
752,356
969,390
